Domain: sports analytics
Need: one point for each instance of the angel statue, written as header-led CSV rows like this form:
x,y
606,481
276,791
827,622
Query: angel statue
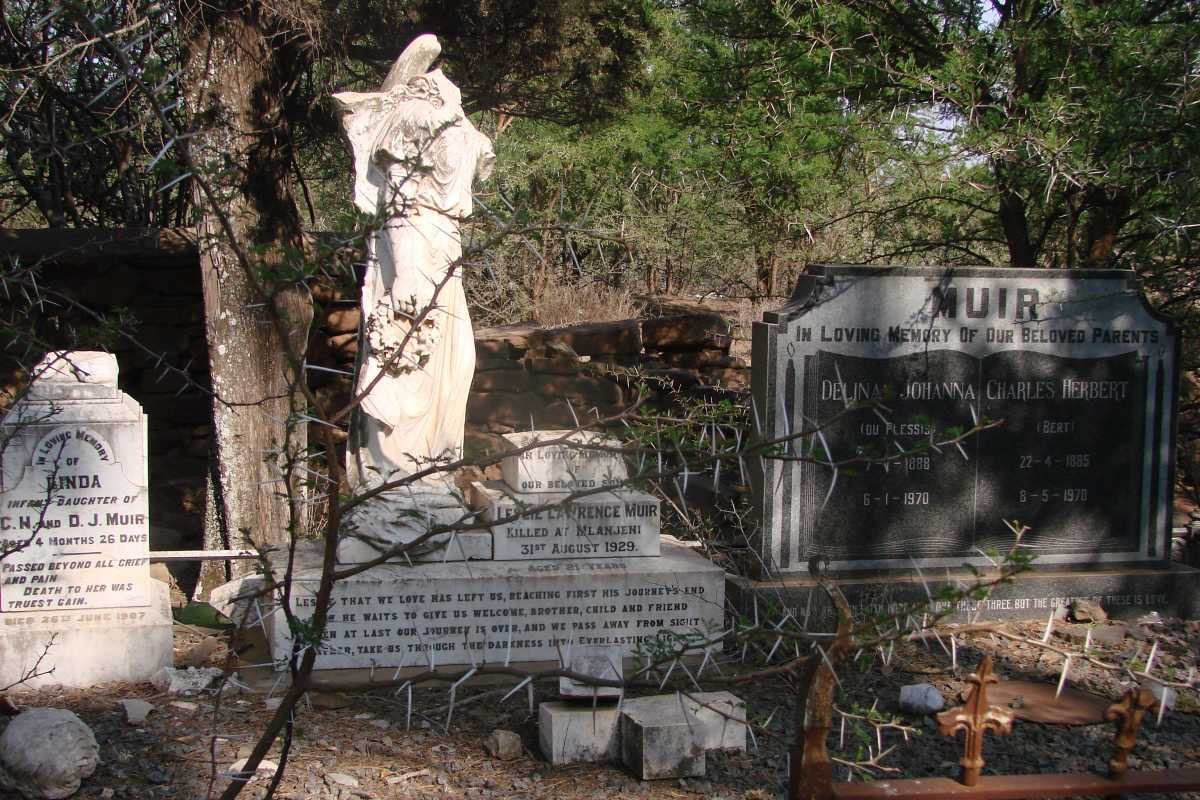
x,y
416,156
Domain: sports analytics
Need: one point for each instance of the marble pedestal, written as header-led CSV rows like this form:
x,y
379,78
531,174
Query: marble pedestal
x,y
523,611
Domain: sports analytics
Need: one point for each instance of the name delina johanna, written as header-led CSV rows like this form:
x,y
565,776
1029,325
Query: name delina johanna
x,y
1064,389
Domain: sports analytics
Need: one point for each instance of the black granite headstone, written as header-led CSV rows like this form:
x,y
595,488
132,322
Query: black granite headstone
x,y
915,416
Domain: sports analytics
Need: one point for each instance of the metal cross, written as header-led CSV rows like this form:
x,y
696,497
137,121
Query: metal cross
x,y
976,718
1127,713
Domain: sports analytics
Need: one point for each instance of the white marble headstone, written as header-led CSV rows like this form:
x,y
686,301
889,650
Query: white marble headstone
x,y
74,513
74,529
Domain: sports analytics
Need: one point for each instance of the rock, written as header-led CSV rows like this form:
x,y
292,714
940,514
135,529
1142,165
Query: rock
x,y
1043,703
505,341
273,703
921,698
264,766
342,320
160,573
46,753
707,331
185,681
1087,611
136,710
344,346
200,653
579,389
593,338
184,705
501,381
504,745
696,359
341,779
1108,634
554,364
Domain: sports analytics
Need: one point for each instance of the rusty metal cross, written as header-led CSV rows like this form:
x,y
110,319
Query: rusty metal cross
x,y
1128,715
976,718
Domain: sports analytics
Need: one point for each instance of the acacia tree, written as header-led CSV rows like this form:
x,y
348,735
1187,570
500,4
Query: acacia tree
x,y
1062,131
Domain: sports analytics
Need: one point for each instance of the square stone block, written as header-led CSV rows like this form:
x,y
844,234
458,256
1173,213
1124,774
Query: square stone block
x,y
597,661
571,733
562,467
655,747
717,719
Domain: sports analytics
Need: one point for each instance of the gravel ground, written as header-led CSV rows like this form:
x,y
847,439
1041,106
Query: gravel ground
x,y
356,746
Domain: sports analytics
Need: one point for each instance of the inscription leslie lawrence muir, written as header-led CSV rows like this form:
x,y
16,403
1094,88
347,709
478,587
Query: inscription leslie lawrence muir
x,y
1077,374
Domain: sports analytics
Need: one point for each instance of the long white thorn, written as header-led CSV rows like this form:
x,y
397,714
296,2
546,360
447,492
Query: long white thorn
x,y
1062,679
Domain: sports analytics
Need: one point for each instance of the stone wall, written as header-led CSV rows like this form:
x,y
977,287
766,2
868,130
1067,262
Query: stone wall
x,y
154,275
553,377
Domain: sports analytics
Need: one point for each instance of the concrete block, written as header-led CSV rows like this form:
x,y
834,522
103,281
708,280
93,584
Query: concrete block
x,y
599,661
714,720
655,747
571,733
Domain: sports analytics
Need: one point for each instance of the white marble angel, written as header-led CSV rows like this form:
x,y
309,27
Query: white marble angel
x,y
416,156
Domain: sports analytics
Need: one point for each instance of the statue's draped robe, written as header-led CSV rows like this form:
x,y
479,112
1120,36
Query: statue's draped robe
x,y
416,158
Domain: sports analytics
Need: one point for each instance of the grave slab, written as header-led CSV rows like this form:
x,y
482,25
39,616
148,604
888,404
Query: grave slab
x,y
90,646
616,523
466,612
572,733
574,464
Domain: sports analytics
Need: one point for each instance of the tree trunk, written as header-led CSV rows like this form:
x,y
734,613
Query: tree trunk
x,y
1105,216
1013,222
237,77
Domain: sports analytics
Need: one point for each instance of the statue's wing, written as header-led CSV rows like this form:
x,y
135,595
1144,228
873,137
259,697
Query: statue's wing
x,y
416,59
363,113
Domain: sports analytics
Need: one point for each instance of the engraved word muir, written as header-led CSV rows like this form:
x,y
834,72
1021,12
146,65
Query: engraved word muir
x,y
945,402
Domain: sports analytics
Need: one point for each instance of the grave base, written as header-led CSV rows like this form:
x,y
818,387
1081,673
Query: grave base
x,y
426,615
90,646
1124,592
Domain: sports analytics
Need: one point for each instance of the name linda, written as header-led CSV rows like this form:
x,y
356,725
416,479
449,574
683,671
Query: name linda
x,y
1066,389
